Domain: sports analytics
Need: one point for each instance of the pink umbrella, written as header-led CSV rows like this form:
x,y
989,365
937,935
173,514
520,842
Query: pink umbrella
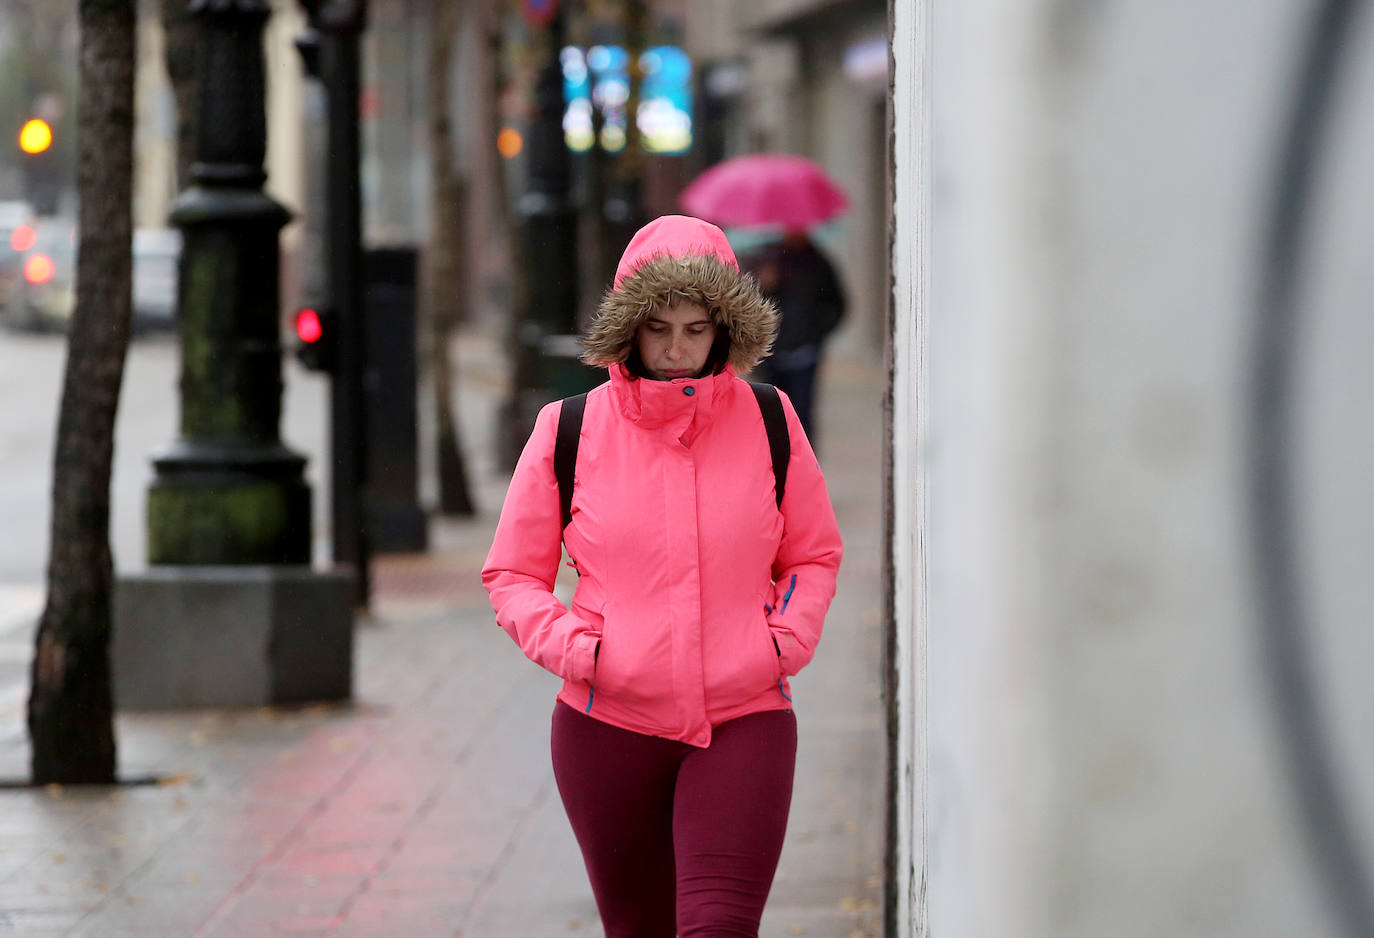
x,y
765,189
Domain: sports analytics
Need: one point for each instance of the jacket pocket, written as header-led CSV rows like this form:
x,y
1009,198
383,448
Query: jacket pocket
x,y
635,665
743,662
592,614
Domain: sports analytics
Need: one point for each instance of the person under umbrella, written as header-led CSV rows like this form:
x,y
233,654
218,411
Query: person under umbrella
x,y
803,284
783,190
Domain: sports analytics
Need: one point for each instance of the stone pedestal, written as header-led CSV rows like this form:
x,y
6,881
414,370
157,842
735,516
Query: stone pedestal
x,y
232,636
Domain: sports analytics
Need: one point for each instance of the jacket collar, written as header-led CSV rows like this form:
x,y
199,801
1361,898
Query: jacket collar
x,y
681,406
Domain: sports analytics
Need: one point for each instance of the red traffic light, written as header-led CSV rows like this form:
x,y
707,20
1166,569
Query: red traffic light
x,y
309,328
316,341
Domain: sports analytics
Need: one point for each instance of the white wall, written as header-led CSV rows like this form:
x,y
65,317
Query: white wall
x,y
1089,735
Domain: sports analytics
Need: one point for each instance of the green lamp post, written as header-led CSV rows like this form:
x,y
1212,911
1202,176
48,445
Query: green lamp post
x,y
227,491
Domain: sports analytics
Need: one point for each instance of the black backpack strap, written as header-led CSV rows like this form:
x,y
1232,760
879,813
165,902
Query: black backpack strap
x,y
779,441
565,449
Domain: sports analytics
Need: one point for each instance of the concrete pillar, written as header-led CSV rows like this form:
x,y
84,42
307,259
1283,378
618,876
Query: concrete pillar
x,y
1090,737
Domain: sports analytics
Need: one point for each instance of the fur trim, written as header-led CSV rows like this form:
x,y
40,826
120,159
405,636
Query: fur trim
x,y
733,298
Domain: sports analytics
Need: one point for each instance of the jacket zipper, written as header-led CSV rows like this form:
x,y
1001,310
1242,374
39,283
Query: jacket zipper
x,y
788,596
591,686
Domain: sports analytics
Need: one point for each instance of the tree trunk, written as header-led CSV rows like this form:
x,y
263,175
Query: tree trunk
x,y
511,442
448,283
181,42
70,712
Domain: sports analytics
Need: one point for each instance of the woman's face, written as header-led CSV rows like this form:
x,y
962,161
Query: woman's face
x,y
675,341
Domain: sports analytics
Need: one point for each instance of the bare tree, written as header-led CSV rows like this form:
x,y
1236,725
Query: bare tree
x,y
448,281
511,440
70,711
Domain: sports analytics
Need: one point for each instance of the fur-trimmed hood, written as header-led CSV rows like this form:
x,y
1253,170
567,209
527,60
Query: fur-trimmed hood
x,y
677,257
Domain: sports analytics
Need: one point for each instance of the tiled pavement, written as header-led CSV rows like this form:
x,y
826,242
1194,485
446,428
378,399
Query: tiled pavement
x,y
427,807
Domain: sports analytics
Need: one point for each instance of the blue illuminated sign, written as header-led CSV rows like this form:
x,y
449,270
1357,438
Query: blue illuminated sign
x,y
600,79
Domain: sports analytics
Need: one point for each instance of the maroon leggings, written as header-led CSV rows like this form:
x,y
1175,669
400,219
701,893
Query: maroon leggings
x,y
677,840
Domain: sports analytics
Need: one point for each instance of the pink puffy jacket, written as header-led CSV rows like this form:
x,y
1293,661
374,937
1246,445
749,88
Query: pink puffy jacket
x,y
697,596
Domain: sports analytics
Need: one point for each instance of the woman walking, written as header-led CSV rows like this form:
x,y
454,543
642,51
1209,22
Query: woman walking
x,y
700,592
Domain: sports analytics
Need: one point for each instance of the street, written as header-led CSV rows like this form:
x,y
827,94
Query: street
x,y
31,367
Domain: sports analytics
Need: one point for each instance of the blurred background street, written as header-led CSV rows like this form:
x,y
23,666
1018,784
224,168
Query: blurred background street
x,y
1092,397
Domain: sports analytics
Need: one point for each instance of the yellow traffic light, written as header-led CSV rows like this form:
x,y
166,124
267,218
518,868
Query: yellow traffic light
x,y
35,136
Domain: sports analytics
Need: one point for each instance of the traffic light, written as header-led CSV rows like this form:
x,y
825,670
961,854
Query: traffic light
x,y
42,185
35,136
315,338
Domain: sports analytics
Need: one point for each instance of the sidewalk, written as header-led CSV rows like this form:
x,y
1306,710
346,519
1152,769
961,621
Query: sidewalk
x,y
427,807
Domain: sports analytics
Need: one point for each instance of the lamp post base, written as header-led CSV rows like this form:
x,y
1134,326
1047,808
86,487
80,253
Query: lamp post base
x,y
216,505
232,636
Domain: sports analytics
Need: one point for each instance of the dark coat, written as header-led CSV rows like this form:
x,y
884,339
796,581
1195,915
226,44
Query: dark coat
x,y
802,283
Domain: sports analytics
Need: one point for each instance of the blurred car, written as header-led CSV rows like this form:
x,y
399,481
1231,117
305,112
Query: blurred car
x,y
15,230
40,281
157,256
40,291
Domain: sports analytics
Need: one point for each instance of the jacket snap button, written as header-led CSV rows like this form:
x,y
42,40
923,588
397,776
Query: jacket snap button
x,y
689,391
